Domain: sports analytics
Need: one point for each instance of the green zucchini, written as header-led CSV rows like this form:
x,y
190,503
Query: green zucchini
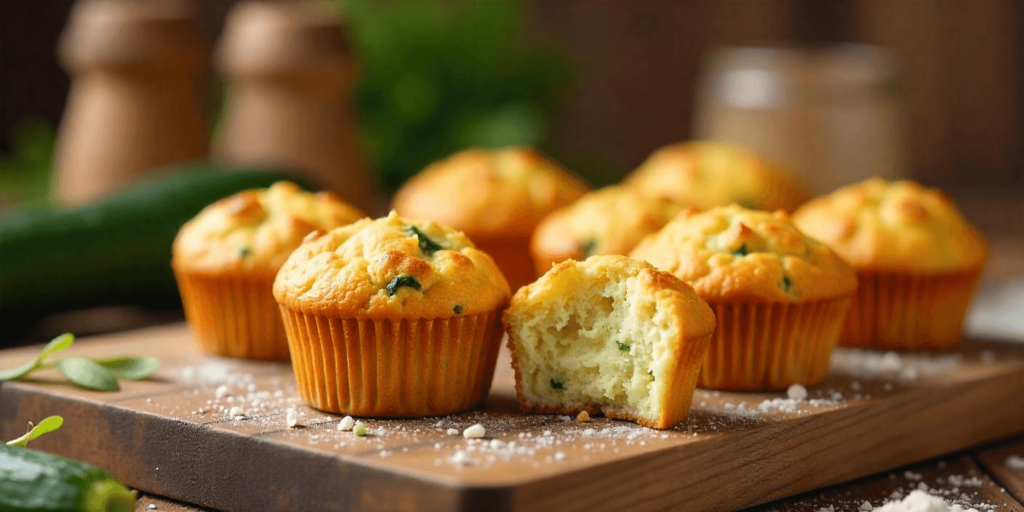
x,y
117,251
34,481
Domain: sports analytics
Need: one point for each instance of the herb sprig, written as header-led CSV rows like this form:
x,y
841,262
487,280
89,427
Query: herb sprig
x,y
400,281
427,245
97,374
34,431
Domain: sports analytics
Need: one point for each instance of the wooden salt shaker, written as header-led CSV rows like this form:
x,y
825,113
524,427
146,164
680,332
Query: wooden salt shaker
x,y
291,76
136,97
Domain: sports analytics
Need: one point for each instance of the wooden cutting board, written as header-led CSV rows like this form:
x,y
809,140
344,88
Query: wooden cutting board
x,y
171,436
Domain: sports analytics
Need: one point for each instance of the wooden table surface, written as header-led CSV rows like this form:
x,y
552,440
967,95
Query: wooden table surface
x,y
996,484
983,468
159,436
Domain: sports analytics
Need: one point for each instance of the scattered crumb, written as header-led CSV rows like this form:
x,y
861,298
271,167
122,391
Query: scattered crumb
x,y
346,424
797,392
1015,462
359,429
583,416
475,432
291,418
453,431
151,506
221,391
866,506
236,412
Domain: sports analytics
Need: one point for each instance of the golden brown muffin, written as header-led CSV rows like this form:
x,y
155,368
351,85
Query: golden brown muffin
x,y
392,317
225,260
708,174
780,297
611,220
497,197
917,259
610,335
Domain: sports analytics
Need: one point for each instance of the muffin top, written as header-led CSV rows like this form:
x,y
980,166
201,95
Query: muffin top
x,y
390,268
254,231
489,193
730,253
611,220
604,271
709,174
894,227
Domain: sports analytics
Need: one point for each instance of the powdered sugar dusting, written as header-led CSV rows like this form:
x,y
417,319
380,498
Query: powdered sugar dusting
x,y
870,364
920,501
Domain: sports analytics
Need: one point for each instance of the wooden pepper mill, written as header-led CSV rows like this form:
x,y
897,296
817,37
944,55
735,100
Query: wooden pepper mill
x,y
136,96
291,76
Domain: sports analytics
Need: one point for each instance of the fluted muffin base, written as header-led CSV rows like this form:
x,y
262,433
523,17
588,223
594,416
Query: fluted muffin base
x,y
906,312
404,368
233,316
771,346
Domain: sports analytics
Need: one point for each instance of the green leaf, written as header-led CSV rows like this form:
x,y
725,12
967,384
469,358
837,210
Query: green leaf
x,y
88,374
131,368
20,371
44,427
622,346
58,344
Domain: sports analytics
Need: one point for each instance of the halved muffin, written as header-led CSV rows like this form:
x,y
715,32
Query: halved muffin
x,y
608,335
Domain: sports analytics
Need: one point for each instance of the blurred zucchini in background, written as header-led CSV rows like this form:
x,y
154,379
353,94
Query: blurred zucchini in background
x,y
117,251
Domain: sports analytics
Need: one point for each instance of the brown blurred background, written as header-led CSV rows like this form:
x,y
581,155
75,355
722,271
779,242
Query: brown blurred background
x,y
634,70
637,63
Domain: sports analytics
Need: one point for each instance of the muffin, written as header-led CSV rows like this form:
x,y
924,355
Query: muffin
x,y
497,197
611,220
779,296
709,174
609,335
392,317
918,261
225,260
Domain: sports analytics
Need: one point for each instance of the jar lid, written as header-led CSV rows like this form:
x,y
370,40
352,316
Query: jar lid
x,y
756,77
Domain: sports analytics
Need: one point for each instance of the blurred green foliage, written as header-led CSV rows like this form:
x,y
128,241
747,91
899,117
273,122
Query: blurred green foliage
x,y
440,76
25,171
